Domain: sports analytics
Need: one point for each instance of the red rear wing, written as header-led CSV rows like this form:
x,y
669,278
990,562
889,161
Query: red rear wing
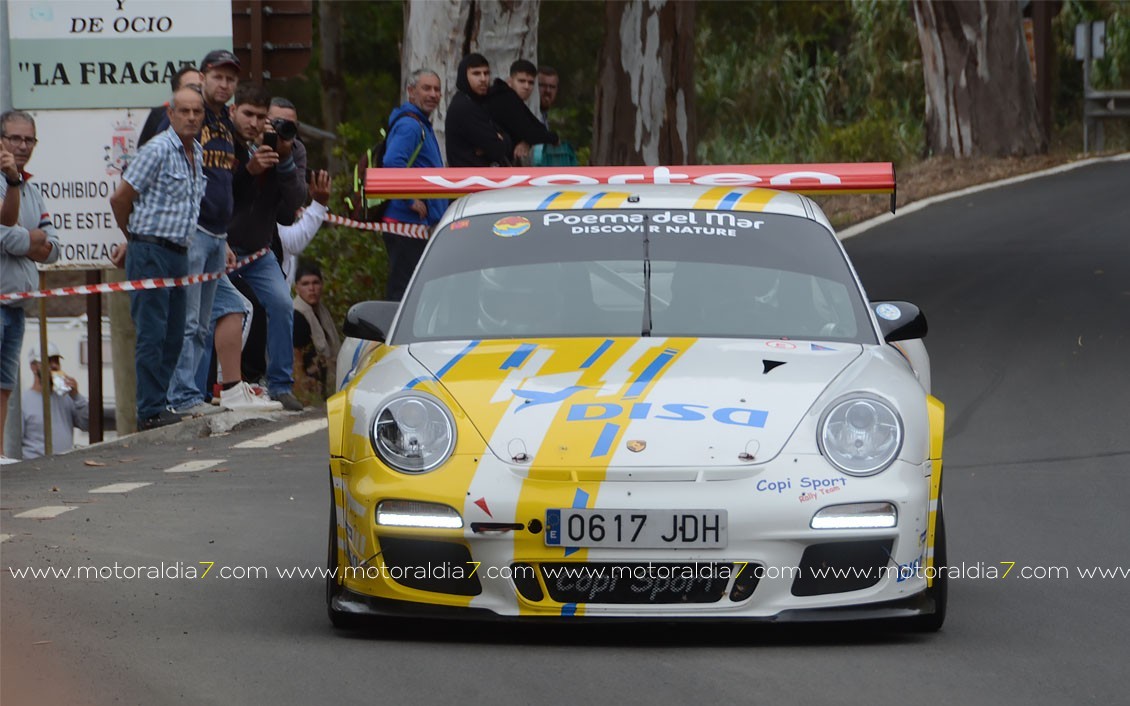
x,y
856,178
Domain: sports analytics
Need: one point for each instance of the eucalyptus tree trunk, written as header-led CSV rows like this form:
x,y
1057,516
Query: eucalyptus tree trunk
x,y
645,92
504,32
439,33
980,97
331,27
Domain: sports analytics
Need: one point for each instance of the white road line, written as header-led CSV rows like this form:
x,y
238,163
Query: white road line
x,y
200,464
119,487
4,538
282,435
44,513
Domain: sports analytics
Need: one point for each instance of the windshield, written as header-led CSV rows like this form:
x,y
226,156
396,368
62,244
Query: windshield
x,y
582,273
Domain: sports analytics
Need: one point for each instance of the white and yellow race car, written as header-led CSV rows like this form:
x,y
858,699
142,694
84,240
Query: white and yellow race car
x,y
652,393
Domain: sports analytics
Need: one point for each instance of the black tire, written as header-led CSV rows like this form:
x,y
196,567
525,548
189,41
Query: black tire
x,y
340,619
940,590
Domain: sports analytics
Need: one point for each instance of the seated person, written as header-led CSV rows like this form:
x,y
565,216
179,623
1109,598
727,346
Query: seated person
x,y
316,342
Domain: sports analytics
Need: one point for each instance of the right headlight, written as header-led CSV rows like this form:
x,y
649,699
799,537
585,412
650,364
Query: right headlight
x,y
413,433
860,435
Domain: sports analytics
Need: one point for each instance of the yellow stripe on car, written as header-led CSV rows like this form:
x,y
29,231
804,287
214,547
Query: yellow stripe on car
x,y
756,200
937,415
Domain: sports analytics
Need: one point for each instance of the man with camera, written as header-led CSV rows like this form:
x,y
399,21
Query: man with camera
x,y
283,118
268,189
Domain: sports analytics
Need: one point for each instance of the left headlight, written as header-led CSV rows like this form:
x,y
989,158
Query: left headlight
x,y
860,435
413,432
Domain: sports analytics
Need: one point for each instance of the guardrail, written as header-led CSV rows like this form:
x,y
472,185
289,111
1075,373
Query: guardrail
x,y
1099,106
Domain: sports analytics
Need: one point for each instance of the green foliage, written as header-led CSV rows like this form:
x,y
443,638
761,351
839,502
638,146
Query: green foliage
x,y
1110,72
354,262
1113,70
574,53
354,265
787,82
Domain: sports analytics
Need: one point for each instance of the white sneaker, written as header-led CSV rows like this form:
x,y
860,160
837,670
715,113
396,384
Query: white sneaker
x,y
242,398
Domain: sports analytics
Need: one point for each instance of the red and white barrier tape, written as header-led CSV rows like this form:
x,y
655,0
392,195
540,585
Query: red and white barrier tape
x,y
153,283
409,230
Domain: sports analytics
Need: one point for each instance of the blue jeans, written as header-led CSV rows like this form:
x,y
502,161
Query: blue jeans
x,y
158,319
265,278
11,338
206,254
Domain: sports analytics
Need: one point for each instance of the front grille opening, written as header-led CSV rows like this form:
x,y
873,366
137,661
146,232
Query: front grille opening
x,y
525,579
839,567
636,583
439,567
746,582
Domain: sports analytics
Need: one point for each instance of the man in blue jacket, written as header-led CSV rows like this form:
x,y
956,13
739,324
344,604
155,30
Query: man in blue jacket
x,y
411,142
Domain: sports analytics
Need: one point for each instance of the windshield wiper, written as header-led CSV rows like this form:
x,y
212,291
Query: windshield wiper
x,y
646,279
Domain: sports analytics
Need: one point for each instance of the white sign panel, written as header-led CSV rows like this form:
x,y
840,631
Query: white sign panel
x,y
76,166
108,53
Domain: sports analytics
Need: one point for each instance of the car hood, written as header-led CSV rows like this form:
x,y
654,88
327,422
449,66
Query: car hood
x,y
585,403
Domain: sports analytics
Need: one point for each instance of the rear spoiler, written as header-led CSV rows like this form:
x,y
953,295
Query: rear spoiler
x,y
851,178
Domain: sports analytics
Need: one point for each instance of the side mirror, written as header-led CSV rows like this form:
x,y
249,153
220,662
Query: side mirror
x,y
899,321
370,321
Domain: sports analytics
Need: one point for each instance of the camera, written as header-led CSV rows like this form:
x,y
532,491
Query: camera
x,y
285,129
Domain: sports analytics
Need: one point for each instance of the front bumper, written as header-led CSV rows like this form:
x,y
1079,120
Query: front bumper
x,y
356,604
871,573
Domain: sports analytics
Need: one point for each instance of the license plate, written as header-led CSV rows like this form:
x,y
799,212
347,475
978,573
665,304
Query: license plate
x,y
644,529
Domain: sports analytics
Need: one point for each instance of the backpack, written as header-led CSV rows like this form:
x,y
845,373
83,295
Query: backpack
x,y
370,208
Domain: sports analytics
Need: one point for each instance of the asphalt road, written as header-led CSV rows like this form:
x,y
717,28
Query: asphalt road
x,y
1027,289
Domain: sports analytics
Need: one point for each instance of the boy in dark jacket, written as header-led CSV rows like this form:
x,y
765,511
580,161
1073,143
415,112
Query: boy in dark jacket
x,y
473,140
506,103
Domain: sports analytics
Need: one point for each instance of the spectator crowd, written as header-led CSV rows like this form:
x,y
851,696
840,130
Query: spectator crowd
x,y
221,177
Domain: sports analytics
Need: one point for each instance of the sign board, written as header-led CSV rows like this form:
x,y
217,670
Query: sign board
x,y
76,166
1097,32
107,53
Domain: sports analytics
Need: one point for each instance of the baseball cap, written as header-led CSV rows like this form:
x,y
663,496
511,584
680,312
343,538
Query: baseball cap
x,y
219,57
52,352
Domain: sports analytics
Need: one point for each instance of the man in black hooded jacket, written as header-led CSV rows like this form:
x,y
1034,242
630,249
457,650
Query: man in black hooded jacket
x,y
473,140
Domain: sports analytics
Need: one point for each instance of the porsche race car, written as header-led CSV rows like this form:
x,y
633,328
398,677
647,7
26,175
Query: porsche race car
x,y
602,398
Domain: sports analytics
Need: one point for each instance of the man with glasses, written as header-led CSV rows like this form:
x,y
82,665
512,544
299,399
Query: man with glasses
x,y
26,237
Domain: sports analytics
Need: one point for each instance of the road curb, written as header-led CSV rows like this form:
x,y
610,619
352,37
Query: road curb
x,y
206,426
